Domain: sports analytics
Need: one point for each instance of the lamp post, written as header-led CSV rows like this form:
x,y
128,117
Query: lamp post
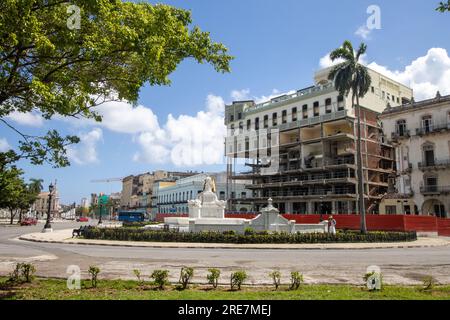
x,y
48,226
100,213
321,209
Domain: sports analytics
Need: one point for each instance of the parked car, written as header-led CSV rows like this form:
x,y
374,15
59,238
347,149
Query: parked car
x,y
28,222
82,219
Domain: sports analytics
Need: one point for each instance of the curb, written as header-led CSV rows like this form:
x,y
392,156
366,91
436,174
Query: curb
x,y
236,246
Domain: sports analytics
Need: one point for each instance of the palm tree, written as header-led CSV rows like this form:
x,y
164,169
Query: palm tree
x,y
36,185
352,77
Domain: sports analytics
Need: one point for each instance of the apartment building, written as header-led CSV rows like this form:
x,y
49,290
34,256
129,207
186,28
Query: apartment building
x,y
172,196
420,133
301,147
40,206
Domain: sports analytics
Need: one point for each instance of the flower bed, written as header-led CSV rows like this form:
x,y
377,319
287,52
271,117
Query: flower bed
x,y
127,234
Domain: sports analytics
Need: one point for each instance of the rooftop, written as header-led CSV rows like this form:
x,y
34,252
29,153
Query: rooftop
x,y
415,105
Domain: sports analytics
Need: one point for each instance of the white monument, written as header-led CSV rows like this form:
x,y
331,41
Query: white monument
x,y
207,213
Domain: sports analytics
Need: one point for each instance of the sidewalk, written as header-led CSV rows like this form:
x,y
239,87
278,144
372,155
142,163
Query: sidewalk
x,y
65,237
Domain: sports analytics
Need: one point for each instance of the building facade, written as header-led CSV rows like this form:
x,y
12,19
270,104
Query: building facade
x,y
172,196
40,207
420,132
137,191
301,147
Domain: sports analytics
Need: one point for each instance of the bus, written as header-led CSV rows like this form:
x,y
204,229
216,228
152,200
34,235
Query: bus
x,y
131,216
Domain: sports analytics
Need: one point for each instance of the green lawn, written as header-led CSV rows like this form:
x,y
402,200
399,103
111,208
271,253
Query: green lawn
x,y
54,289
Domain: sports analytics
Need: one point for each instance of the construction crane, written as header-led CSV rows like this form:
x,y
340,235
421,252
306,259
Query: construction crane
x,y
107,180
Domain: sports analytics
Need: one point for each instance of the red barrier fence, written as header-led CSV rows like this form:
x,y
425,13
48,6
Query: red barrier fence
x,y
352,222
443,226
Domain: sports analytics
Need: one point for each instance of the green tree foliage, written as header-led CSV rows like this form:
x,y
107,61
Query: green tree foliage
x,y
444,6
15,194
237,279
352,77
213,277
50,67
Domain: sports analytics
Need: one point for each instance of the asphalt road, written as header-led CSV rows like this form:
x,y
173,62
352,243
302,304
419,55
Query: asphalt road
x,y
402,266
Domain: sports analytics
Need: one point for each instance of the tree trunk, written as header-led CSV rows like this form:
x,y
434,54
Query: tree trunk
x,y
12,216
359,163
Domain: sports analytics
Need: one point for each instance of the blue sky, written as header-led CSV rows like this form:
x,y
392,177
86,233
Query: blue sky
x,y
278,44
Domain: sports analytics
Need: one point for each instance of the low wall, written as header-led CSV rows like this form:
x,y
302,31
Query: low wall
x,y
352,222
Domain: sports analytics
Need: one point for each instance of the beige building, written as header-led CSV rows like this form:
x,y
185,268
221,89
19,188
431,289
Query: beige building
x,y
420,132
40,207
309,137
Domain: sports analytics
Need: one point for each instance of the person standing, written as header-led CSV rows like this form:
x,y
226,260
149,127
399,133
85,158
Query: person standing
x,y
331,225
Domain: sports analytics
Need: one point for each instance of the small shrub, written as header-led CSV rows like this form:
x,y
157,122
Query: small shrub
x,y
237,279
213,277
249,232
429,282
276,278
94,271
28,271
161,278
186,275
14,276
137,273
296,280
373,280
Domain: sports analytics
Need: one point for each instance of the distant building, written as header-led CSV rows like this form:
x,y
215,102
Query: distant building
x,y
40,207
137,190
172,196
420,133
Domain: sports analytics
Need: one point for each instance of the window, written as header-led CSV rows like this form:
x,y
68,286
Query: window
x,y
391,210
274,119
340,101
249,124
428,155
294,114
383,94
316,109
231,117
256,123
372,89
401,128
427,124
239,115
284,116
241,127
328,108
305,111
266,121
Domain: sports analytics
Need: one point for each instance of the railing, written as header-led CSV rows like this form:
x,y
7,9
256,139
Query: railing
x,y
434,189
298,94
434,164
399,135
432,129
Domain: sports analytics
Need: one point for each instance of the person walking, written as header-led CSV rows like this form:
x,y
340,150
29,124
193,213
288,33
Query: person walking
x,y
331,225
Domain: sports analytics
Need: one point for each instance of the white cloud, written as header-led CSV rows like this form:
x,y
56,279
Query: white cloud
x,y
85,152
31,119
425,75
363,32
4,145
326,62
239,95
187,140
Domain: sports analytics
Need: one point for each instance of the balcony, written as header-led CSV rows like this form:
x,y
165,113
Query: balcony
x,y
401,135
434,190
434,165
434,128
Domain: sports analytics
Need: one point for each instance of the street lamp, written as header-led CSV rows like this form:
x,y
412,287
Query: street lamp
x,y
321,209
48,226
100,213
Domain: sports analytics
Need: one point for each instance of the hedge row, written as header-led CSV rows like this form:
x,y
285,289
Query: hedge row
x,y
124,234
